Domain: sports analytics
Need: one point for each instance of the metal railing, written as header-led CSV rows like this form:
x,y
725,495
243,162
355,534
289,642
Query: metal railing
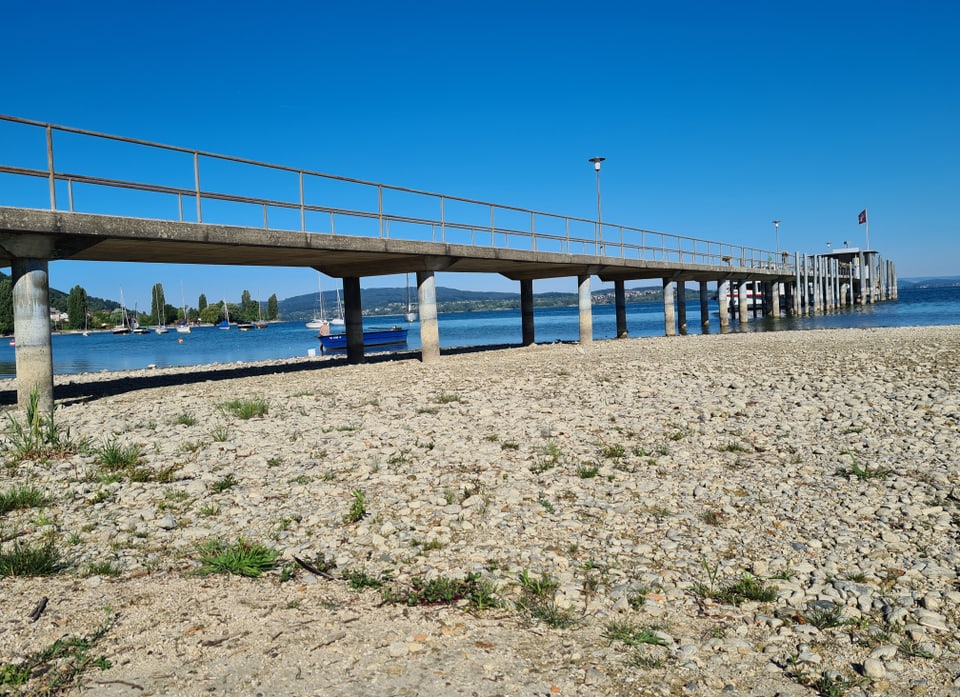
x,y
315,202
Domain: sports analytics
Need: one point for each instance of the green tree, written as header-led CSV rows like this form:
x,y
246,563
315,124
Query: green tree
x,y
158,303
272,307
6,306
77,308
202,303
211,314
248,308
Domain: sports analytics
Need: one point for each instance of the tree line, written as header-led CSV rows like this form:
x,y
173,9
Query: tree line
x,y
81,315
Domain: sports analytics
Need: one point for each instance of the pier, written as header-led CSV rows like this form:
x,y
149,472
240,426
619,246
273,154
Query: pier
x,y
188,211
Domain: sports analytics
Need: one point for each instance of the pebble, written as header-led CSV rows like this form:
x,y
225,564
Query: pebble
x,y
708,467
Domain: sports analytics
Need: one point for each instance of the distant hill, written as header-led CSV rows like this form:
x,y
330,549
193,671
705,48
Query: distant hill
x,y
929,282
393,301
58,300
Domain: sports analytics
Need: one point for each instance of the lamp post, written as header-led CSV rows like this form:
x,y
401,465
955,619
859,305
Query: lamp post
x,y
776,229
599,233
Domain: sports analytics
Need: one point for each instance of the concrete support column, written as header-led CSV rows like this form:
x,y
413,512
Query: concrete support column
x,y
723,303
862,268
427,305
620,298
526,312
704,307
353,319
31,322
744,311
585,302
798,287
669,312
774,299
682,307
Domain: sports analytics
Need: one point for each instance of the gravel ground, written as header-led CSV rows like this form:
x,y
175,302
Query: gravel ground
x,y
748,514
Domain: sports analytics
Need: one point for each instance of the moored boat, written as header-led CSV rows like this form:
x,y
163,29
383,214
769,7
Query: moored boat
x,y
371,337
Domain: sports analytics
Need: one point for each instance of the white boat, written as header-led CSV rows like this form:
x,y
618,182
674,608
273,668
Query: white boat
x,y
160,328
411,315
319,318
185,327
124,326
338,320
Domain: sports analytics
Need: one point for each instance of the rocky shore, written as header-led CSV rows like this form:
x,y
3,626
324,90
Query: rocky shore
x,y
748,514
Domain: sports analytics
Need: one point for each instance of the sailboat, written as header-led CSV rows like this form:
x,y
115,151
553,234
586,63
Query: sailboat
x,y
183,328
318,319
124,326
411,315
261,323
225,322
338,320
160,328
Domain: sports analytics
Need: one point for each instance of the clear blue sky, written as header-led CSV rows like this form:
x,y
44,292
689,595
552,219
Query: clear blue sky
x,y
715,118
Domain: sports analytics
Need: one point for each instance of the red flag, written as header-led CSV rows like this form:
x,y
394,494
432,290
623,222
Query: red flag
x,y
862,217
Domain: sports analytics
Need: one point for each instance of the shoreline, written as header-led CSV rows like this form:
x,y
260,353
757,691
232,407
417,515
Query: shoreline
x,y
642,477
8,384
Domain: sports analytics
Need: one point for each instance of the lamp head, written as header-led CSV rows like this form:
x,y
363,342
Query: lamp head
x,y
596,162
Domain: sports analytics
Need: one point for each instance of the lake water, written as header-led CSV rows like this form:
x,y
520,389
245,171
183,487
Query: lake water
x,y
74,353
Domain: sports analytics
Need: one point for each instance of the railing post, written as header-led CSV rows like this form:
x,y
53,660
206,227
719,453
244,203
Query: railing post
x,y
303,212
533,231
51,170
443,221
493,228
196,184
380,208
70,194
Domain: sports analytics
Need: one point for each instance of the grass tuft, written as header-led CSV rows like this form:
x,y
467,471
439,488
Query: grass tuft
x,y
22,496
245,408
631,635
241,559
31,560
38,437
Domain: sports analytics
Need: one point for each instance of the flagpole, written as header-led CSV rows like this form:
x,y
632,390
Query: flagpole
x,y
868,227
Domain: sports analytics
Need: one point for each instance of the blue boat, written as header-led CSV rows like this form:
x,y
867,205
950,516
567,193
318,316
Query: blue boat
x,y
371,337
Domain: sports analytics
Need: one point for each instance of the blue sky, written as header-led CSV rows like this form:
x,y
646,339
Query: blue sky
x,y
715,118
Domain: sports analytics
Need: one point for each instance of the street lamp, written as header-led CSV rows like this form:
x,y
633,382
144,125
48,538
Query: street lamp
x,y
599,233
776,228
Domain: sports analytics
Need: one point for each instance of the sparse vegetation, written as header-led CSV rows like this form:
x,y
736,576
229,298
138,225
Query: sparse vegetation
x,y
115,456
245,408
42,559
631,635
22,496
241,559
57,669
39,436
227,482
358,509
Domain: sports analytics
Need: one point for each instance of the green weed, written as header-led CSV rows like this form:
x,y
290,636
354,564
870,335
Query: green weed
x,y
240,559
43,559
22,496
631,635
358,509
245,408
227,482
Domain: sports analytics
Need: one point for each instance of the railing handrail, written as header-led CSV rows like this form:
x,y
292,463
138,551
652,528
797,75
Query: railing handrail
x,y
671,245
